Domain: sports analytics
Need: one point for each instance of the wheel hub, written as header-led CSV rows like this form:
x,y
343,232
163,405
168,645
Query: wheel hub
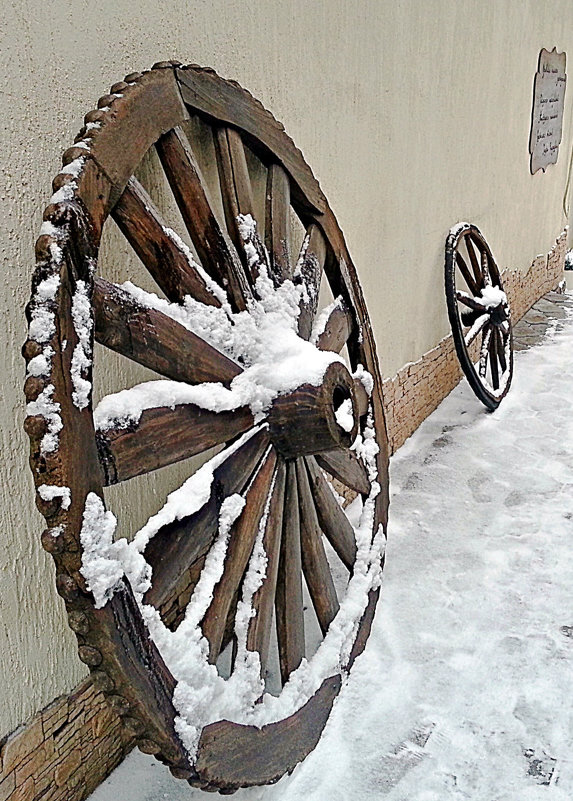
x,y
498,315
326,416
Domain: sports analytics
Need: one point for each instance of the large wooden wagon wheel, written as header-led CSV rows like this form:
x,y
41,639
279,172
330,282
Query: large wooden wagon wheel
x,y
479,314
220,572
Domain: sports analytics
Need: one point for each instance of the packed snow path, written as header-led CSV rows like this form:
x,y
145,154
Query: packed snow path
x,y
464,690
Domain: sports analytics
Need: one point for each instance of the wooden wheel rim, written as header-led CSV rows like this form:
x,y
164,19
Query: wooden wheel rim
x,y
469,266
71,464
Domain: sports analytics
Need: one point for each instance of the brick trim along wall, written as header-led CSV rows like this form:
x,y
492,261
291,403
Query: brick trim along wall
x,y
65,751
418,388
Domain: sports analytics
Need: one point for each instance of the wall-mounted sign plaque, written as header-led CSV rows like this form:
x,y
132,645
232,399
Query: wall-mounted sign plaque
x,y
547,115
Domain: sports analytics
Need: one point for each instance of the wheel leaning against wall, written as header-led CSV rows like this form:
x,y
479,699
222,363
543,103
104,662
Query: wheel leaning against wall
x,y
479,313
261,519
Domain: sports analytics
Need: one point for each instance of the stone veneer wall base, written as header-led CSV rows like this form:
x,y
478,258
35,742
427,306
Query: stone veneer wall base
x,y
417,389
65,751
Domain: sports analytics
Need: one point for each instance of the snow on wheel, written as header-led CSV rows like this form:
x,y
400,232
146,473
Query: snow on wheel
x,y
221,631
479,314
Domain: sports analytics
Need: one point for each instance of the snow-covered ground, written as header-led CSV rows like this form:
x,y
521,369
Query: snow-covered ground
x,y
464,690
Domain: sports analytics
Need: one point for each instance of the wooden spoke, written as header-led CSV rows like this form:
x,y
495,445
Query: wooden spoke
x,y
231,105
155,340
310,266
463,268
476,329
229,636
484,352
165,435
259,633
469,301
180,543
346,467
213,246
236,189
277,226
336,329
493,358
314,562
289,601
485,268
474,262
158,247
331,518
501,340
181,595
241,540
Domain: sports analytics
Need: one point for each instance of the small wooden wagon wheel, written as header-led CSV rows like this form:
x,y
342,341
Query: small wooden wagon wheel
x,y
248,365
479,314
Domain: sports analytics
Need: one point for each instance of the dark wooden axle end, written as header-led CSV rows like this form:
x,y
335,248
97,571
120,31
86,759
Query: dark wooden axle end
x,y
305,421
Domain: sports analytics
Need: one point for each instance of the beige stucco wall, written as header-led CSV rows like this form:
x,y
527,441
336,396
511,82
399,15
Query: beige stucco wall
x,y
412,115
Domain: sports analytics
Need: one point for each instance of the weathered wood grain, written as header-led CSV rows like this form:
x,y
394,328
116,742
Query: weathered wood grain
x,y
331,518
277,225
289,600
304,421
231,755
310,266
212,243
179,544
171,267
229,104
314,562
337,329
151,338
149,108
235,183
362,397
344,465
95,191
259,634
241,541
166,435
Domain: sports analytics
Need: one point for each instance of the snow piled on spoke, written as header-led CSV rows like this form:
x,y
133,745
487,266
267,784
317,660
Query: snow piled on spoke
x,y
125,408
264,340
